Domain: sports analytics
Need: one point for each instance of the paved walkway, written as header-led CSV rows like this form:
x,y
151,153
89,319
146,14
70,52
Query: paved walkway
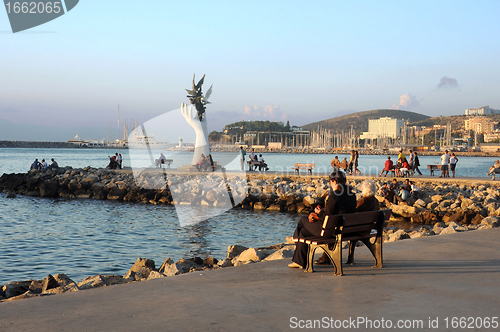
x,y
439,277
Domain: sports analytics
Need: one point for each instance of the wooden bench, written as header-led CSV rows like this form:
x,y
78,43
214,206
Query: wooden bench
x,y
252,165
352,227
433,168
307,166
160,162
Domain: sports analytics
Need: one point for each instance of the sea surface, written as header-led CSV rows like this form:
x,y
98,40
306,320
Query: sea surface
x,y
40,236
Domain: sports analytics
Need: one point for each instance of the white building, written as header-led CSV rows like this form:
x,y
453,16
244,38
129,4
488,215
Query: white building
x,y
485,110
383,127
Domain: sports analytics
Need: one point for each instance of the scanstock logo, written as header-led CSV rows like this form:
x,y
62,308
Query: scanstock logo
x,y
25,15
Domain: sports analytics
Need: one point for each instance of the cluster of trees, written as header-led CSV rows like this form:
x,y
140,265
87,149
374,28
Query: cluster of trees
x,y
239,128
242,127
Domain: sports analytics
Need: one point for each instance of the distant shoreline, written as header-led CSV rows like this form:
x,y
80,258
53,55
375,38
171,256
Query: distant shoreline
x,y
51,145
234,148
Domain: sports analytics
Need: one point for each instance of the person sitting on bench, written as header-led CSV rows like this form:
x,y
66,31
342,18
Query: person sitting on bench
x,y
495,169
262,164
389,165
161,160
340,200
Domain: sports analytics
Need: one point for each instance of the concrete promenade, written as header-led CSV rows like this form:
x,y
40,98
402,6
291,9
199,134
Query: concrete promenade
x,y
438,277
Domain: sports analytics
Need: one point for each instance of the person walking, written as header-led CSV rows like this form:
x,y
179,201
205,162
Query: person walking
x,y
416,163
453,163
412,159
243,153
445,160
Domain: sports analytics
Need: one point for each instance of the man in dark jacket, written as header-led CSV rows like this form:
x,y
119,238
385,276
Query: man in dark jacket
x,y
340,200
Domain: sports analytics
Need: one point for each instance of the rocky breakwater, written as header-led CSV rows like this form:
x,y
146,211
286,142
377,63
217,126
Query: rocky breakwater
x,y
142,270
453,201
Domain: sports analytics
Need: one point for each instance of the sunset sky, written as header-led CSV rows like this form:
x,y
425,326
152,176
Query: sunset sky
x,y
301,61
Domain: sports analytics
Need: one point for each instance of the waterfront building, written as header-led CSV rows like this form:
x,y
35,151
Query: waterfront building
x,y
479,125
383,127
485,110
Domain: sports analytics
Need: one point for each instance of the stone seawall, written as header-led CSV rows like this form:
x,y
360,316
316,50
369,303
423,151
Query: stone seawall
x,y
459,201
37,145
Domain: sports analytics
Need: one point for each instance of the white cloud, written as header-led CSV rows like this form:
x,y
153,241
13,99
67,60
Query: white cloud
x,y
407,102
268,112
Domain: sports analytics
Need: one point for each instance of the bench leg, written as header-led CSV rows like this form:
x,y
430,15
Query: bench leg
x,y
335,256
310,257
350,257
376,250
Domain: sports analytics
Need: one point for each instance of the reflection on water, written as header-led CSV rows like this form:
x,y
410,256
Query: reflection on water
x,y
86,237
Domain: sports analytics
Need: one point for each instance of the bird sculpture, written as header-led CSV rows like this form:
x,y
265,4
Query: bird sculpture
x,y
197,99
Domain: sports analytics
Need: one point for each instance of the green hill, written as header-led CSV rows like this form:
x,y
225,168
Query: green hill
x,y
359,120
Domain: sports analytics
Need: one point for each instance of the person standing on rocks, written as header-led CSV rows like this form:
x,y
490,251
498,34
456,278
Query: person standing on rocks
x,y
335,163
453,163
445,160
243,153
118,159
341,199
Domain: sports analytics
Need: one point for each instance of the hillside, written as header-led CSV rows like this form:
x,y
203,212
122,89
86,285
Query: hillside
x,y
457,121
359,120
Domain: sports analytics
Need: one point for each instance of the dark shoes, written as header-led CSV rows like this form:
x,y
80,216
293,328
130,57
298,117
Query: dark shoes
x,y
324,260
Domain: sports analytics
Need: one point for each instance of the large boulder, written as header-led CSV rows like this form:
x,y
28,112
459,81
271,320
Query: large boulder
x,y
15,288
93,282
285,252
49,283
138,265
404,211
491,221
235,250
169,268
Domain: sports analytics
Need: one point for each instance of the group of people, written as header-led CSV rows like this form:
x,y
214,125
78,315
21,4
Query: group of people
x,y
44,165
340,200
403,166
205,163
448,163
395,193
254,162
348,166
115,161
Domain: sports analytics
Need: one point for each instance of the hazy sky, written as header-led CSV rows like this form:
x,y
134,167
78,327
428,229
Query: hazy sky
x,y
301,61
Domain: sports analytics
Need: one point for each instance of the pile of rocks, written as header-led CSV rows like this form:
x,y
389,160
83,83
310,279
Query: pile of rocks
x,y
450,201
143,269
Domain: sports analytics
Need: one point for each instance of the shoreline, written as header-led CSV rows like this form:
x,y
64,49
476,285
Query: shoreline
x,y
145,269
235,148
445,206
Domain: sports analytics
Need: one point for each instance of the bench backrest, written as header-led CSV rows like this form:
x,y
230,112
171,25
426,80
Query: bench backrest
x,y
357,225
304,165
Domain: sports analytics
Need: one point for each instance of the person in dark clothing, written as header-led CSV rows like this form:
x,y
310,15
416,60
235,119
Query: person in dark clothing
x,y
416,163
340,200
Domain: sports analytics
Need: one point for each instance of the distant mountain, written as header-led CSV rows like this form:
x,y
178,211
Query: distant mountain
x,y
359,120
10,131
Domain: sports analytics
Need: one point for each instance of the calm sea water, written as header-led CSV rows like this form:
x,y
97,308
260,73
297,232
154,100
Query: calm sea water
x,y
86,237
